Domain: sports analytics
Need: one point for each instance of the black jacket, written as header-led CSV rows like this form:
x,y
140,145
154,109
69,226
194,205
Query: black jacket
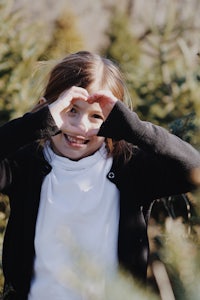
x,y
161,165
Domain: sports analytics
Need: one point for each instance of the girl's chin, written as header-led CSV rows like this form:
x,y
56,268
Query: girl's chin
x,y
75,157
72,154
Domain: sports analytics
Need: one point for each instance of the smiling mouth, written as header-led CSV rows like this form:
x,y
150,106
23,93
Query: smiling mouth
x,y
74,140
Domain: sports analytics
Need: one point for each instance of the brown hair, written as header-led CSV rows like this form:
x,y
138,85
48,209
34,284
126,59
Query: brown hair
x,y
90,71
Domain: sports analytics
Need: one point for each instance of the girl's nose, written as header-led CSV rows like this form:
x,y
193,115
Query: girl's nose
x,y
83,125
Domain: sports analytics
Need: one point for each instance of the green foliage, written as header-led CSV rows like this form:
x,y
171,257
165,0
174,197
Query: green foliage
x,y
161,73
184,127
65,37
122,46
180,257
21,45
4,213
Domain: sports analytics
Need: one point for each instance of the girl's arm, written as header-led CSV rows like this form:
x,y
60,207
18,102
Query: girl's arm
x,y
18,133
24,130
166,150
33,126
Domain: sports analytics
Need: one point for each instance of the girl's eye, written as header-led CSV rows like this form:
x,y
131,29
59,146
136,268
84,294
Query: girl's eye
x,y
72,110
96,116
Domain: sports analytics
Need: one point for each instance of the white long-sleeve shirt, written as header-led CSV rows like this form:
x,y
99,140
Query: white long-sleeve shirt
x,y
77,227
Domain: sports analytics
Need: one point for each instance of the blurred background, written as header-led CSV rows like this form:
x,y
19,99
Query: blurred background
x,y
157,44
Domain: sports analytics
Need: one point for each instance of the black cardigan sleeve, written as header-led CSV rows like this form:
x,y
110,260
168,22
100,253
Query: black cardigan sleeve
x,y
21,132
168,163
26,129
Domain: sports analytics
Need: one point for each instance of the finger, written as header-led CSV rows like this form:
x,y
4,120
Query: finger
x,y
78,96
95,98
103,96
74,92
80,90
67,100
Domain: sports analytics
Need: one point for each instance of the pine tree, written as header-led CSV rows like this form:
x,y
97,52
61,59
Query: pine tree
x,y
22,43
65,36
161,75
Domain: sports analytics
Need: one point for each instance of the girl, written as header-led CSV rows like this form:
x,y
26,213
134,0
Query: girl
x,y
82,169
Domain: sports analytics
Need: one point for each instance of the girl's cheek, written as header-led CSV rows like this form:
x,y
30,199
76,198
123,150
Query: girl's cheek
x,y
66,122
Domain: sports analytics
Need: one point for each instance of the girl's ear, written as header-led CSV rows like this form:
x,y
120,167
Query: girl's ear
x,y
41,103
42,100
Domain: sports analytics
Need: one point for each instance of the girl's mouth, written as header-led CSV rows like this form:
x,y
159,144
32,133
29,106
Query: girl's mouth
x,y
74,140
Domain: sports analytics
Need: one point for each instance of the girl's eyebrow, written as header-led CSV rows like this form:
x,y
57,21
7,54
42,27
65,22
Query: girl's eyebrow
x,y
74,104
97,112
94,111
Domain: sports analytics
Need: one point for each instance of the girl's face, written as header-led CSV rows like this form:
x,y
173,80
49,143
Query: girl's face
x,y
78,137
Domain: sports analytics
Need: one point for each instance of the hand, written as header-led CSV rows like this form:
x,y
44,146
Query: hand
x,y
65,102
105,99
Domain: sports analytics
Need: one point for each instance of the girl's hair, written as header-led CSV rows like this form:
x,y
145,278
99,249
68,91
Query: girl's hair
x,y
92,72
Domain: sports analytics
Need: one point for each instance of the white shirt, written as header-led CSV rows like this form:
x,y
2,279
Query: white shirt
x,y
77,228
